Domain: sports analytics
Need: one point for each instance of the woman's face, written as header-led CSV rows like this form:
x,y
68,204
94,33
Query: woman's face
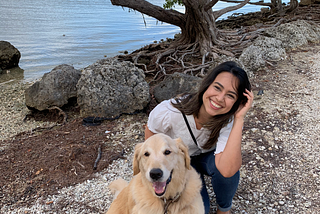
x,y
220,95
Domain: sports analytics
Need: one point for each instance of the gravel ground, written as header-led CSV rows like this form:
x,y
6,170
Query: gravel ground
x,y
281,141
13,109
281,161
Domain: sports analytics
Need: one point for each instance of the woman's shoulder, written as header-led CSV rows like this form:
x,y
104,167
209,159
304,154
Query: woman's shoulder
x,y
163,117
165,109
167,105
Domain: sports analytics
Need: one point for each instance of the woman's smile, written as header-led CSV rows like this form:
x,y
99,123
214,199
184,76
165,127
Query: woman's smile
x,y
215,105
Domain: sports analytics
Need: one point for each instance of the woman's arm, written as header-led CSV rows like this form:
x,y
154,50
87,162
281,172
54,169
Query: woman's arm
x,y
229,161
147,133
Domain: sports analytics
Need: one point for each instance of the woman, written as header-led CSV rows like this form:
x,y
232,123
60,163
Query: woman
x,y
215,115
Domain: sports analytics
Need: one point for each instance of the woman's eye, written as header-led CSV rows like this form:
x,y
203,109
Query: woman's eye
x,y
167,152
147,154
231,96
217,88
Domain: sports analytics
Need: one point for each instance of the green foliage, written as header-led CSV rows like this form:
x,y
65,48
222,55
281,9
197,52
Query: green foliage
x,y
170,3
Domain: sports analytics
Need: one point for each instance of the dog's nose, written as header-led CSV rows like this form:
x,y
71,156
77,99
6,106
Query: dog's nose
x,y
156,174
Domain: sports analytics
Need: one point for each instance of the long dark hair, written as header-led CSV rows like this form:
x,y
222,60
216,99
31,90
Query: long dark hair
x,y
190,104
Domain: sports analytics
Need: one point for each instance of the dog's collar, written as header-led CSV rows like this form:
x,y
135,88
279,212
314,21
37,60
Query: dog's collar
x,y
168,202
169,179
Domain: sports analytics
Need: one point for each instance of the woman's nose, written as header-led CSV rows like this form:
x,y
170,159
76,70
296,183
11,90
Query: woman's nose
x,y
220,96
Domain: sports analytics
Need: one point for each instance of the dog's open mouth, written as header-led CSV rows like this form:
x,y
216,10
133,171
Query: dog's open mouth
x,y
161,187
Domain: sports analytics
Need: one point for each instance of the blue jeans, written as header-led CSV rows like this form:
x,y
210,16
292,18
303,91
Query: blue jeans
x,y
224,188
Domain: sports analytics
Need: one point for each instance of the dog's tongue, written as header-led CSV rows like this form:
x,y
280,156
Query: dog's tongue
x,y
159,187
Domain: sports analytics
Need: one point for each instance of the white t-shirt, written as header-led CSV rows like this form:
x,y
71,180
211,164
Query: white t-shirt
x,y
165,118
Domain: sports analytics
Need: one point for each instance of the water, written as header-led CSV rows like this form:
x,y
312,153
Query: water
x,y
77,32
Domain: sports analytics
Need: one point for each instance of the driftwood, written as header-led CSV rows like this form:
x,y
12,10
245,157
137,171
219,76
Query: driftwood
x,y
97,159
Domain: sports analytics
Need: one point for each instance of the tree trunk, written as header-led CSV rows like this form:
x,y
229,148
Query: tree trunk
x,y
293,6
278,8
200,26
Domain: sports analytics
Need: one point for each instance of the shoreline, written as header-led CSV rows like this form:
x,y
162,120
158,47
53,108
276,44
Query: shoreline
x,y
230,21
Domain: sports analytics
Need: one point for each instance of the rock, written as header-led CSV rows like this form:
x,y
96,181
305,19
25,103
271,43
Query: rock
x,y
110,87
294,34
175,84
263,48
272,46
9,56
54,89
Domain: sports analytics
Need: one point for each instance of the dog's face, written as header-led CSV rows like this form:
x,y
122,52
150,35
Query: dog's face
x,y
158,158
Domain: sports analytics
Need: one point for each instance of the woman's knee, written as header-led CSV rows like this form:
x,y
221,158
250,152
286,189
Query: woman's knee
x,y
225,189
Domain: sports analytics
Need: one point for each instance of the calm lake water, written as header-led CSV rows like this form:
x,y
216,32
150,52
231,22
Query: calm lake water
x,y
77,32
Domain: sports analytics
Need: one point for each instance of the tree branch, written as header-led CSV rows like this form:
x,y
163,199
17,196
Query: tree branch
x,y
169,16
210,5
254,3
219,13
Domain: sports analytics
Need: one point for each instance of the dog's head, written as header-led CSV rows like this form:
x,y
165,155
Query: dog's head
x,y
158,158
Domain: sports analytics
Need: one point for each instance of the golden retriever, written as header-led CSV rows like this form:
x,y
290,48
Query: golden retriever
x,y
163,182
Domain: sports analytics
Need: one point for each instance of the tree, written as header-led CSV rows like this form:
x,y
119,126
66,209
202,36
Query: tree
x,y
197,24
199,34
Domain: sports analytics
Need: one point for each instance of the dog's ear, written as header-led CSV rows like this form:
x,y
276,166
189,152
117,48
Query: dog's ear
x,y
136,158
184,150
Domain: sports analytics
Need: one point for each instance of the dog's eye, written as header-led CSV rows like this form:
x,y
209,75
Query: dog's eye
x,y
147,154
167,152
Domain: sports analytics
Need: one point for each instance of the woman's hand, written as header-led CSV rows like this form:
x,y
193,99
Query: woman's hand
x,y
244,108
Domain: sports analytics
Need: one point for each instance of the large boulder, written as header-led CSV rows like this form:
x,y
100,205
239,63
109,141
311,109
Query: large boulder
x,y
273,45
262,49
54,89
175,84
109,88
295,34
9,56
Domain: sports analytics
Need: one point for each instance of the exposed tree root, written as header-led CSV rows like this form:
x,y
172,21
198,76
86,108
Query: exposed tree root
x,y
164,58
158,60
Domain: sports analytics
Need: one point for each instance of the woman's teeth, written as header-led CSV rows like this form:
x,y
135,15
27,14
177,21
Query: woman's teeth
x,y
215,105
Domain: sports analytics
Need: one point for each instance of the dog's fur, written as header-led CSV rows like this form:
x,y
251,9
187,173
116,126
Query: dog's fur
x,y
155,160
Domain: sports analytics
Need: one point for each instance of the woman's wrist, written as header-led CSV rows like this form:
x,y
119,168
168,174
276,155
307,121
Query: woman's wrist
x,y
239,119
238,122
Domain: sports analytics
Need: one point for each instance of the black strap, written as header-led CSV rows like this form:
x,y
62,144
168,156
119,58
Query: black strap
x,y
185,119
